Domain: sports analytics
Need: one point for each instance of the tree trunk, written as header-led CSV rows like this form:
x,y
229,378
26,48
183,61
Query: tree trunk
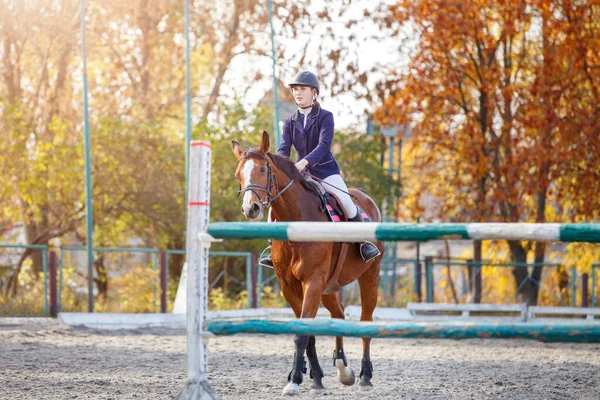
x,y
449,273
526,289
32,232
102,280
226,56
176,260
33,236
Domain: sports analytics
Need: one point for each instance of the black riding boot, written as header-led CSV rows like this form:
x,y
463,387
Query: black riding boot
x,y
368,251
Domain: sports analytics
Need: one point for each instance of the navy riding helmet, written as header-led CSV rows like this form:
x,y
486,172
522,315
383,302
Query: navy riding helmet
x,y
306,78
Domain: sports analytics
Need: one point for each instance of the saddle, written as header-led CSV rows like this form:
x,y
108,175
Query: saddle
x,y
329,203
336,213
333,205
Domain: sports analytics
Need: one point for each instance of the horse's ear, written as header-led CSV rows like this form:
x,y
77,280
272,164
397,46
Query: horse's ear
x,y
264,143
237,149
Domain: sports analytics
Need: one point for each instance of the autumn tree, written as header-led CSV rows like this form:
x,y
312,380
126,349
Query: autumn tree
x,y
136,79
37,116
490,94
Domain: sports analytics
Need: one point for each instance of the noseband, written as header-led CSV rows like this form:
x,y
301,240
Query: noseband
x,y
271,182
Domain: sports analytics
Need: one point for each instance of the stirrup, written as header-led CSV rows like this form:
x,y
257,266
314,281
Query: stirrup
x,y
266,261
368,251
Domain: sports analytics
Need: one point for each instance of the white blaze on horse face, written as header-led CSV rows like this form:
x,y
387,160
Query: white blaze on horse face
x,y
247,203
247,173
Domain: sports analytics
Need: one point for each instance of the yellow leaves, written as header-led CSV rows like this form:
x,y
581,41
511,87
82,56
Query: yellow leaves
x,y
219,300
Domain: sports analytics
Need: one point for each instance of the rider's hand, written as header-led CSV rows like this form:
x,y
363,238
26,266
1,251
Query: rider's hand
x,y
300,165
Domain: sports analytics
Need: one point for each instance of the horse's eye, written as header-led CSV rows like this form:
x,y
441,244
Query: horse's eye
x,y
263,170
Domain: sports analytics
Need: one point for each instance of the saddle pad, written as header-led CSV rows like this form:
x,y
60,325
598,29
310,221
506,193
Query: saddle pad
x,y
334,210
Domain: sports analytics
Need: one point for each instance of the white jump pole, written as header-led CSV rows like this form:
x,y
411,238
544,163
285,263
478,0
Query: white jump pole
x,y
198,214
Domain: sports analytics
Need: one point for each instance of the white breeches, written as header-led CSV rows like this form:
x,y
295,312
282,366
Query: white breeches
x,y
347,203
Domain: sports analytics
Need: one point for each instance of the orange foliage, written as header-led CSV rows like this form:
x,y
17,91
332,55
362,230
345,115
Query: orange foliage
x,y
504,103
503,100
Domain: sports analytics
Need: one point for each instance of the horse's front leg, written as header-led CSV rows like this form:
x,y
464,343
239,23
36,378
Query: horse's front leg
x,y
316,373
336,309
293,295
306,343
368,298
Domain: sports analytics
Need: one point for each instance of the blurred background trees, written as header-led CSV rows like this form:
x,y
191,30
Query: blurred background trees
x,y
136,99
502,99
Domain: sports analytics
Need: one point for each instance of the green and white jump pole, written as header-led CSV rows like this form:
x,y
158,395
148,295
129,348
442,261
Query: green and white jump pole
x,y
359,231
200,234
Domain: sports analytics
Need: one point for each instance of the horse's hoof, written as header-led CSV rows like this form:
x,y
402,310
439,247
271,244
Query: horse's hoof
x,y
365,386
318,391
291,389
346,376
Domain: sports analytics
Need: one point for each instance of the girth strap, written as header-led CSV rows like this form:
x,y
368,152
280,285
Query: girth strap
x,y
332,285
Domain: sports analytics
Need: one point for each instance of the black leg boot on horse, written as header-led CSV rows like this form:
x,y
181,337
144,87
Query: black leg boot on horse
x,y
368,250
296,375
316,373
366,373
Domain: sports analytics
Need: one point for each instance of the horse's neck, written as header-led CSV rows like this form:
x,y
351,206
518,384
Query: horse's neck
x,y
296,203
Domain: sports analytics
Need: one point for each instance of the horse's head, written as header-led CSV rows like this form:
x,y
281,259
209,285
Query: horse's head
x,y
255,176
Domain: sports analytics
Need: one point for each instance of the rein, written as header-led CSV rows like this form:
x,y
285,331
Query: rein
x,y
333,186
271,181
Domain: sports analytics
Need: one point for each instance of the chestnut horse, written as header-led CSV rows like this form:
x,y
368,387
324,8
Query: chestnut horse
x,y
303,268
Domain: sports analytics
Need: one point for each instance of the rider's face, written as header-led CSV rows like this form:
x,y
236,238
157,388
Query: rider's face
x,y
303,95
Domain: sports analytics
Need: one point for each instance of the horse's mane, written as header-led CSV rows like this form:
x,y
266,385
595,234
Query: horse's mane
x,y
288,168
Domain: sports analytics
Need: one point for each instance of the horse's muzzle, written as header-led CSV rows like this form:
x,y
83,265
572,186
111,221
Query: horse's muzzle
x,y
254,211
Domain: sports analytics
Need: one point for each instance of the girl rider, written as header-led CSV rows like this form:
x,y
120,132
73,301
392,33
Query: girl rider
x,y
310,130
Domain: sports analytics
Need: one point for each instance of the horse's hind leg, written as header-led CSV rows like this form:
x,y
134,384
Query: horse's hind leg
x,y
345,373
368,296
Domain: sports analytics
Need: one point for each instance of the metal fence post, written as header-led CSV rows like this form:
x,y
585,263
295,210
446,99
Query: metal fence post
x,y
163,281
574,286
594,285
584,290
61,261
259,281
394,272
249,292
429,280
45,266
418,276
254,286
53,285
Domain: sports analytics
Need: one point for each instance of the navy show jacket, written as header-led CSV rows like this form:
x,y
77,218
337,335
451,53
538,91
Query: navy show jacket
x,y
312,143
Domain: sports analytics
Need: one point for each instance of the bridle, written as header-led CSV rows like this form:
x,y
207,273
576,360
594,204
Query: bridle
x,y
271,182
